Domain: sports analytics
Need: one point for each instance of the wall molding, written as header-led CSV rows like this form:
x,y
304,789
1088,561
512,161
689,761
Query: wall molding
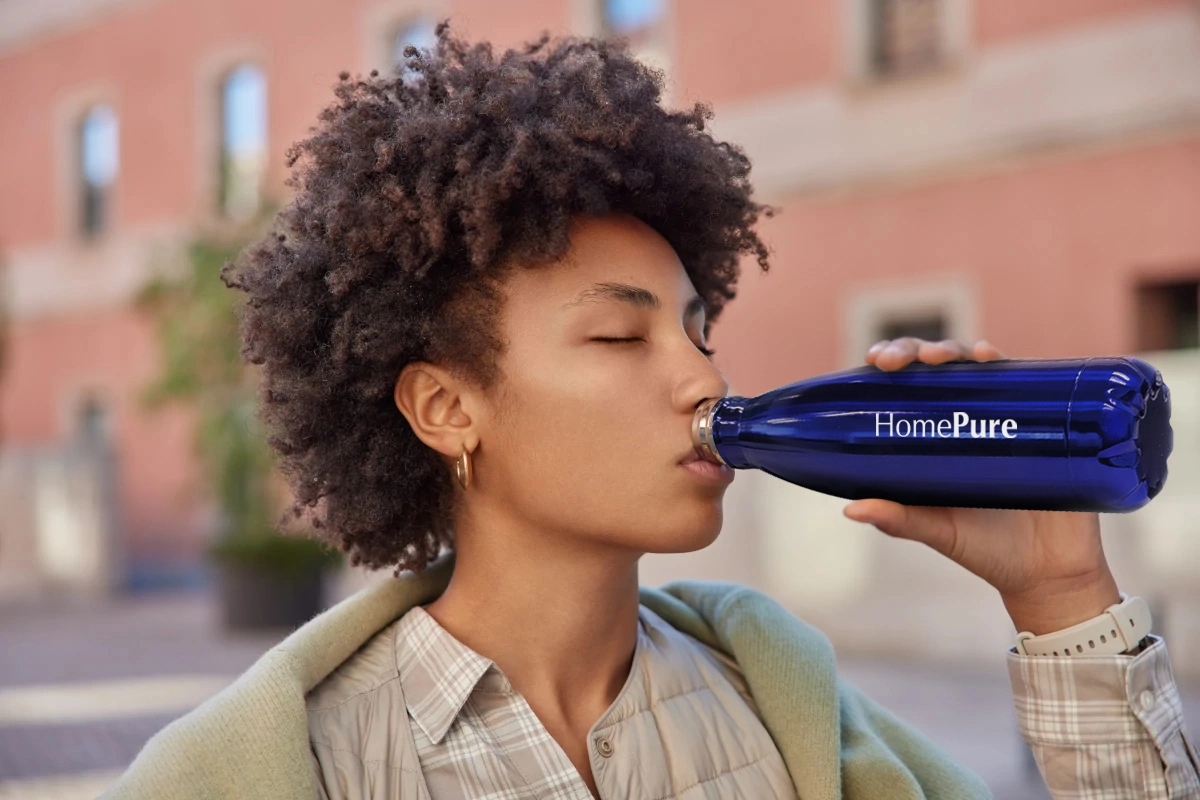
x,y
27,24
65,277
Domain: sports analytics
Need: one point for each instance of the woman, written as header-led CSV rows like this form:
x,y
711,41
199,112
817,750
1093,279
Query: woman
x,y
483,329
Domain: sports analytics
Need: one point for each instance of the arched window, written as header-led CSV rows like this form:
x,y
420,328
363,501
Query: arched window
x,y
635,19
98,148
418,32
243,156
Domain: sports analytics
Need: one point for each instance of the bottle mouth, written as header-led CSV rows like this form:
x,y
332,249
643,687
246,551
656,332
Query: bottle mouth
x,y
702,432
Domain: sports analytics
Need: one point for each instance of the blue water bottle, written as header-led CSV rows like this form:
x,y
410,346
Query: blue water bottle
x,y
1084,434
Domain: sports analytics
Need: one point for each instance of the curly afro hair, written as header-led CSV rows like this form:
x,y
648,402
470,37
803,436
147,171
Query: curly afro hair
x,y
415,194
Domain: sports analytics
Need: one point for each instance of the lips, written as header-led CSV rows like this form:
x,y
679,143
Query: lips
x,y
695,455
709,471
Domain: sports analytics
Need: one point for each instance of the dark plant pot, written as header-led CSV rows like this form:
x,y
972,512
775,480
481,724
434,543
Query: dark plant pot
x,y
253,598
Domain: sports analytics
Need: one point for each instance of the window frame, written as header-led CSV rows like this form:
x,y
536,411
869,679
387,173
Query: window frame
x,y
70,114
866,307
210,74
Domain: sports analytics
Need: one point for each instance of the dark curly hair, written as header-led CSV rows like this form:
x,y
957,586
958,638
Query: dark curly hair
x,y
416,193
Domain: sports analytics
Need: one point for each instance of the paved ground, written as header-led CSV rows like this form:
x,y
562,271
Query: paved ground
x,y
82,689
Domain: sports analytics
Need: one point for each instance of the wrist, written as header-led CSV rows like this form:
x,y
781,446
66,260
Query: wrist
x,y
1118,631
1054,608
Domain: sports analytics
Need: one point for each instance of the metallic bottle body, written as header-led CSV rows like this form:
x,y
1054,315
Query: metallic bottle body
x,y
1085,434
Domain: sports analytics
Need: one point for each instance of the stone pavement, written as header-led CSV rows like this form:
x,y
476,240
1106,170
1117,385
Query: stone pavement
x,y
81,689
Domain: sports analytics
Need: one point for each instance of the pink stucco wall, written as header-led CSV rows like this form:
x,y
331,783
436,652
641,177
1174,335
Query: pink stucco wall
x,y
1055,247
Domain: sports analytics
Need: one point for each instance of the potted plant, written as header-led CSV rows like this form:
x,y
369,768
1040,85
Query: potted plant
x,y
265,578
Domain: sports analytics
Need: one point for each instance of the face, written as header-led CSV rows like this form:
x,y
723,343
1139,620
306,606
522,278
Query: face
x,y
603,372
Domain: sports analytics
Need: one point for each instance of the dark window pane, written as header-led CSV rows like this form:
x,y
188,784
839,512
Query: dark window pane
x,y
931,328
1167,317
94,198
905,35
93,421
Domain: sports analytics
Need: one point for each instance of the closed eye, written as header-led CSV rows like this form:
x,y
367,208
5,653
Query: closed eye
x,y
619,340
705,350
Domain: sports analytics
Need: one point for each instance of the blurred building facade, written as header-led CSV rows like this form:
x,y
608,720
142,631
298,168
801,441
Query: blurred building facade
x,y
1016,170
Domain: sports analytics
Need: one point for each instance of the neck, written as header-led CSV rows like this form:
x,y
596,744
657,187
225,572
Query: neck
x,y
557,616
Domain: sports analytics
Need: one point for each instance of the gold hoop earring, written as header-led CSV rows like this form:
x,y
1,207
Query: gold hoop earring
x,y
462,469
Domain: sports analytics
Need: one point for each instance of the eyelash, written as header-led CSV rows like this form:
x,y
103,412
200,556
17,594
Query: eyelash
x,y
705,350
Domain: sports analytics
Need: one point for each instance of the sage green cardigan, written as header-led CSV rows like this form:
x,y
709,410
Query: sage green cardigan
x,y
251,739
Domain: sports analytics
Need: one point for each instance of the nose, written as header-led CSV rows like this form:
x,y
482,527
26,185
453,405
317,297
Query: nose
x,y
700,381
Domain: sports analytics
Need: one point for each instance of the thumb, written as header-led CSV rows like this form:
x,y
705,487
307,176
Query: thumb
x,y
930,525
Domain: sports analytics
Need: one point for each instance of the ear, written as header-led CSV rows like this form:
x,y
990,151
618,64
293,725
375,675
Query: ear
x,y
436,406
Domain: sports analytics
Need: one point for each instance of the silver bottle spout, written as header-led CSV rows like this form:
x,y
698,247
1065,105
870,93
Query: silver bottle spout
x,y
702,432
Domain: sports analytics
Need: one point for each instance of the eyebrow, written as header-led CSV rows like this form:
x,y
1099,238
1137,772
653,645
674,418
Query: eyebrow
x,y
633,295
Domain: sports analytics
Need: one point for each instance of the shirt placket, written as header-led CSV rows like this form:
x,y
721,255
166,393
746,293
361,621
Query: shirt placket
x,y
570,786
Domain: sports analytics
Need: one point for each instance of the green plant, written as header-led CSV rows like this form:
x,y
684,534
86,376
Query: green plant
x,y
201,364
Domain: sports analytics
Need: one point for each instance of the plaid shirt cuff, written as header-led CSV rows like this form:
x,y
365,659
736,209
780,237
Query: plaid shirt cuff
x,y
1106,727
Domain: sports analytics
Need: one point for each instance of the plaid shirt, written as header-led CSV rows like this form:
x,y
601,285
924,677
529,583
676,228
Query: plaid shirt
x,y
476,737
1100,727
1106,727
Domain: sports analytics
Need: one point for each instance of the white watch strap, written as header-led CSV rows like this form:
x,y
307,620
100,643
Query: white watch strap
x,y
1117,630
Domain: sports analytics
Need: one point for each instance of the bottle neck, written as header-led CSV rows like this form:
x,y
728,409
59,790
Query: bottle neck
x,y
714,430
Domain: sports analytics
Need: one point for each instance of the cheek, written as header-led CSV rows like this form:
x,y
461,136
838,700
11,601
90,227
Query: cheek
x,y
576,443
580,414
598,464
578,438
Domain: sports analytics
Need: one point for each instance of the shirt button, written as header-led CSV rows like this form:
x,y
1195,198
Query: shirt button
x,y
1146,700
604,746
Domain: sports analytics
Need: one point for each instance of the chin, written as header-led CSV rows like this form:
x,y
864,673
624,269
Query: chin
x,y
687,536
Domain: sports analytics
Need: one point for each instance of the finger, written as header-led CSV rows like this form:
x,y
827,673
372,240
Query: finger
x,y
898,353
926,524
940,352
986,351
876,349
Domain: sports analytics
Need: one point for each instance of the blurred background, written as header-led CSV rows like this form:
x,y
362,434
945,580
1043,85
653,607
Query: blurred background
x,y
1022,171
